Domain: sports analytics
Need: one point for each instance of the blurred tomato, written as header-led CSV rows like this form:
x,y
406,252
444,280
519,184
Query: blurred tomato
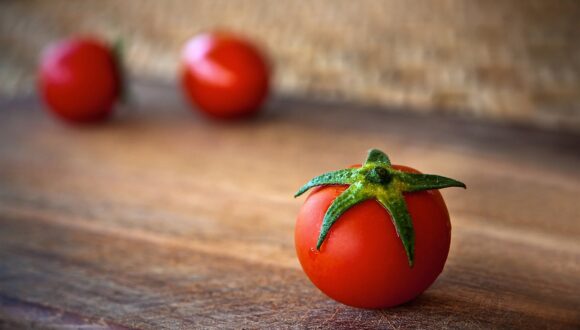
x,y
79,79
224,75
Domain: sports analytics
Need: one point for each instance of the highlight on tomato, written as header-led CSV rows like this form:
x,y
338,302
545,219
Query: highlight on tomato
x,y
80,79
376,235
224,75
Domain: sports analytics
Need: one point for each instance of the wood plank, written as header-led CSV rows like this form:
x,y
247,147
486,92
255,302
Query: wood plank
x,y
163,219
140,284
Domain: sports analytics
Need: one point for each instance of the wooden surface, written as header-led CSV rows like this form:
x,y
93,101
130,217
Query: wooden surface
x,y
162,219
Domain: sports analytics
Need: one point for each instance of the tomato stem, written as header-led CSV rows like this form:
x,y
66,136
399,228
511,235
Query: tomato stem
x,y
118,50
379,175
378,180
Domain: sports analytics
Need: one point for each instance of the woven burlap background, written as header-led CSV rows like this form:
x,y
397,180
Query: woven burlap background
x,y
514,61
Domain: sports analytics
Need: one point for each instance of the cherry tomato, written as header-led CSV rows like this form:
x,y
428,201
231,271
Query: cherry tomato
x,y
79,79
362,262
224,75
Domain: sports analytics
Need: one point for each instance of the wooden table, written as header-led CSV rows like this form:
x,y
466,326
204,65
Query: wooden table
x,y
163,219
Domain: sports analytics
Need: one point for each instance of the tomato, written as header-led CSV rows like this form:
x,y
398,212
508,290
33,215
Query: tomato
x,y
362,262
79,80
224,75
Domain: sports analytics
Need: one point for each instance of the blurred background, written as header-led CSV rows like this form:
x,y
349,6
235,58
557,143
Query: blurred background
x,y
503,61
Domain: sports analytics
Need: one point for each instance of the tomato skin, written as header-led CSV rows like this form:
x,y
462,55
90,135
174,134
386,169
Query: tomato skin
x,y
224,75
362,262
79,80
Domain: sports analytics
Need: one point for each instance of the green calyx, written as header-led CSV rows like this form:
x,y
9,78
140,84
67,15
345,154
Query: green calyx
x,y
378,180
118,50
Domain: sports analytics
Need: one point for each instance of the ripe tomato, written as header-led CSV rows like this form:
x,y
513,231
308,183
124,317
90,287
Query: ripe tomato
x,y
79,79
360,260
224,75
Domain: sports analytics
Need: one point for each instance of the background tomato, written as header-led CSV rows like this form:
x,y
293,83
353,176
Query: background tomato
x,y
362,262
225,76
79,79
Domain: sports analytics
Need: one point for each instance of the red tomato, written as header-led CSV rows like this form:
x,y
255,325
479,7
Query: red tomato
x,y
363,263
224,75
79,79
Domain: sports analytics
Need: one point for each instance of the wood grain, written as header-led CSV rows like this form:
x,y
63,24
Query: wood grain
x,y
163,219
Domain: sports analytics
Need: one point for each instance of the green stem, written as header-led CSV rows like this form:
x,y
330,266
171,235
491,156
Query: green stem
x,y
378,180
118,49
